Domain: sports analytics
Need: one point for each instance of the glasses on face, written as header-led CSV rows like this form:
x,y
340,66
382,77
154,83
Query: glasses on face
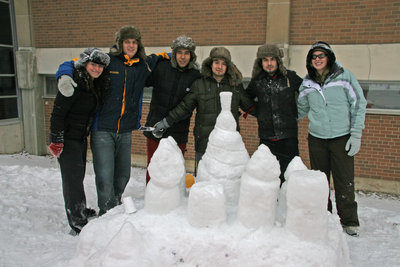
x,y
320,56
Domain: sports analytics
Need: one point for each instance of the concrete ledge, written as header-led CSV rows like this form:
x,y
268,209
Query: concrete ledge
x,y
374,185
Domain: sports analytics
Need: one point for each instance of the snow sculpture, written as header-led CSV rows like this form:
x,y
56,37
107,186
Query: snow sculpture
x,y
167,172
295,164
259,189
206,204
226,156
307,199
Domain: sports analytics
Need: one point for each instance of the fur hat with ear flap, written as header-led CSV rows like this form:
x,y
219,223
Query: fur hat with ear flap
x,y
185,42
232,72
128,32
324,47
94,55
268,50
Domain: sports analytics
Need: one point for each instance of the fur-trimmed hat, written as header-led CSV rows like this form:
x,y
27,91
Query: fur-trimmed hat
x,y
185,42
128,32
232,72
324,47
94,55
268,50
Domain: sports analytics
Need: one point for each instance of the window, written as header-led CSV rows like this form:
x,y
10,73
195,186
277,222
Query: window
x,y
8,85
381,94
51,85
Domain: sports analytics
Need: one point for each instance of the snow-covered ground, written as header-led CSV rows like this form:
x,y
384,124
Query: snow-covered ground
x,y
34,229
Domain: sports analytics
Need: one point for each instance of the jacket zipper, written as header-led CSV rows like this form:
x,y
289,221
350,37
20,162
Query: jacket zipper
x,y
123,103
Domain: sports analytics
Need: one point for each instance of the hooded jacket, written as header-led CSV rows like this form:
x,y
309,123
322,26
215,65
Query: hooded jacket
x,y
335,108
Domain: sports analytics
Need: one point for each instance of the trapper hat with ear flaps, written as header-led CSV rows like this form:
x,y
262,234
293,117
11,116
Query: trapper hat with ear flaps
x,y
185,42
268,50
94,55
128,32
232,72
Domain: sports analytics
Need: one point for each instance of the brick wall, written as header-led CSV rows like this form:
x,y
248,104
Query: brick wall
x,y
379,156
69,24
345,22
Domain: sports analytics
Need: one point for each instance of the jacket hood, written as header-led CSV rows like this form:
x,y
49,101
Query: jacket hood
x,y
326,48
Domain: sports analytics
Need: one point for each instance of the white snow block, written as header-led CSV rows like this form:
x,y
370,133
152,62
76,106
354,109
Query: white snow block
x,y
161,200
259,189
206,204
307,200
295,164
257,202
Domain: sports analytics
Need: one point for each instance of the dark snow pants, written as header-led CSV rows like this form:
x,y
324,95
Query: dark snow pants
x,y
329,155
73,165
284,150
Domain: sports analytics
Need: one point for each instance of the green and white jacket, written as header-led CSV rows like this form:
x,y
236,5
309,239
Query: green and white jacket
x,y
335,108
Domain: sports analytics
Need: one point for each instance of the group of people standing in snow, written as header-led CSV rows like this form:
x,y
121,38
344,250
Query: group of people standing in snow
x,y
107,104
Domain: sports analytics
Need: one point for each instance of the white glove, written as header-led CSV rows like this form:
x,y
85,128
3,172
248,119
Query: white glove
x,y
353,145
66,85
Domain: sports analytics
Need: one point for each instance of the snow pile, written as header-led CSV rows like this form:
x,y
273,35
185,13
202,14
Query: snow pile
x,y
167,172
212,227
34,229
259,189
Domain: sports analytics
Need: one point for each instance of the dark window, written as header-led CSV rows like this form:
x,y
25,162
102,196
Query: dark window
x,y
381,94
8,86
8,108
5,22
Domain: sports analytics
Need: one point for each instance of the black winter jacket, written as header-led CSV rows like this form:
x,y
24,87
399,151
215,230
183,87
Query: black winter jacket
x,y
204,96
170,85
276,106
72,116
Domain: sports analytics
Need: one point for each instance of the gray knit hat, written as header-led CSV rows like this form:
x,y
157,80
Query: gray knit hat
x,y
232,72
185,42
128,32
268,50
94,55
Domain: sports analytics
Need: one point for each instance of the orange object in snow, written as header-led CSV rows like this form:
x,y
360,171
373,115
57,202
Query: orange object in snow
x,y
189,180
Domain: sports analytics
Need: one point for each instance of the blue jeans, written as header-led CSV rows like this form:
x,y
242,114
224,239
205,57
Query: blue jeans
x,y
112,166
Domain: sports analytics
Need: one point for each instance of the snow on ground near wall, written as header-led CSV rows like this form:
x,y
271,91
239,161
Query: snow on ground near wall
x,y
34,229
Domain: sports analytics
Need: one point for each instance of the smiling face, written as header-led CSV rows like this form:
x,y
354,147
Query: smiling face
x,y
270,65
130,47
94,69
319,61
218,68
182,57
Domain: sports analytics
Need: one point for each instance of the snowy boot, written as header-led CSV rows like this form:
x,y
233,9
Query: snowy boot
x,y
351,230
